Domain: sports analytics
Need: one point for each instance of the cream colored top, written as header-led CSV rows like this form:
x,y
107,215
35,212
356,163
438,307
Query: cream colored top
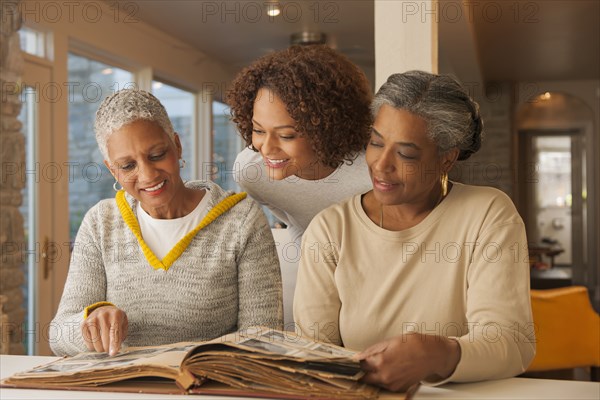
x,y
461,272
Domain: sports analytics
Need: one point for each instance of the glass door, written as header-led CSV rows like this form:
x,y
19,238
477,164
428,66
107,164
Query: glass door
x,y
556,198
45,258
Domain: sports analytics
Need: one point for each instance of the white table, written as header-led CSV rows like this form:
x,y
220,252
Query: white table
x,y
514,388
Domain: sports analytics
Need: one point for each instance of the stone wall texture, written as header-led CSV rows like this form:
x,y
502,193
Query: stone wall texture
x,y
491,165
12,153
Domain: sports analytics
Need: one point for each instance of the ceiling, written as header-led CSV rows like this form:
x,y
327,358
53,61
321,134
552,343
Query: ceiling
x,y
238,32
515,40
538,40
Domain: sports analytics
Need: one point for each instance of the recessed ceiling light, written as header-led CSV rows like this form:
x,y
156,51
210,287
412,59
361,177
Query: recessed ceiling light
x,y
273,9
273,12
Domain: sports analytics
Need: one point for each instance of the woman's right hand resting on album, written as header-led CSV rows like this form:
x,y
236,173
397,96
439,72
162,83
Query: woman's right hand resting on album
x,y
105,329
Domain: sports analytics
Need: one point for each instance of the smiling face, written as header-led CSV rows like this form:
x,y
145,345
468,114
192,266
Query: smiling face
x,y
145,161
285,151
404,163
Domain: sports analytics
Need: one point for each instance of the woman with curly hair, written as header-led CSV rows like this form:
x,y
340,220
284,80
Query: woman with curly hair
x,y
304,114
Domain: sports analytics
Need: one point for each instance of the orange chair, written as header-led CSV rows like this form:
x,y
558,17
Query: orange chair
x,y
567,330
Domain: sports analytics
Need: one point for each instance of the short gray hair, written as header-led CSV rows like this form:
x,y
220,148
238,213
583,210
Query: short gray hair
x,y
127,106
452,116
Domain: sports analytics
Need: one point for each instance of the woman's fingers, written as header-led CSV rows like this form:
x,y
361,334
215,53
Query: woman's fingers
x,y
371,351
118,333
92,334
97,339
385,366
86,331
367,367
386,381
115,342
105,329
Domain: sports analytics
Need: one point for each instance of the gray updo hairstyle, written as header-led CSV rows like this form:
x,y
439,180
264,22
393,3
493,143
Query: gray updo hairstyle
x,y
127,106
452,116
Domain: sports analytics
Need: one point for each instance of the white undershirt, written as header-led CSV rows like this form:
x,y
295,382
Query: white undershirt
x,y
162,234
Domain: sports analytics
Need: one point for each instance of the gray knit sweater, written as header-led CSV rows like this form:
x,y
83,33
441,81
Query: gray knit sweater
x,y
227,279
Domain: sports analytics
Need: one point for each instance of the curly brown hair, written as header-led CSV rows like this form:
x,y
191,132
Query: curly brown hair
x,y
323,91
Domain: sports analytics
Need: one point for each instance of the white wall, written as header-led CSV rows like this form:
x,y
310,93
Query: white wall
x,y
405,37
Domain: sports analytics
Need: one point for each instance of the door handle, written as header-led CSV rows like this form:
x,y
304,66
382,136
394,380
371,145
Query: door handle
x,y
46,259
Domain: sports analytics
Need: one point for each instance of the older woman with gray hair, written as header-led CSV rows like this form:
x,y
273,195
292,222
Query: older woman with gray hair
x,y
165,261
428,278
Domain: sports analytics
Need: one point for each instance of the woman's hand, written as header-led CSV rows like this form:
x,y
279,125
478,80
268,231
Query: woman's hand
x,y
105,329
398,363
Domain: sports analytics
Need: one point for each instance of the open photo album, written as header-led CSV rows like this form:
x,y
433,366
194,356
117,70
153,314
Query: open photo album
x,y
259,362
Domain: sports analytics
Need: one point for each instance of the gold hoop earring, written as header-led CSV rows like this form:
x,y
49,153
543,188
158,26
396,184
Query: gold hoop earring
x,y
181,163
115,186
444,182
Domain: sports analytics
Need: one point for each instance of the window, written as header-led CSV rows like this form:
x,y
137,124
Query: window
x,y
227,143
89,180
180,107
33,42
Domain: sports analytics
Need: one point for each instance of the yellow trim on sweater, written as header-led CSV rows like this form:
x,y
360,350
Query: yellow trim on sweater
x,y
180,246
88,310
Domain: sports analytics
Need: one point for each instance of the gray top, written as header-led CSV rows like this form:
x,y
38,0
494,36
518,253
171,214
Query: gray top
x,y
294,200
227,279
